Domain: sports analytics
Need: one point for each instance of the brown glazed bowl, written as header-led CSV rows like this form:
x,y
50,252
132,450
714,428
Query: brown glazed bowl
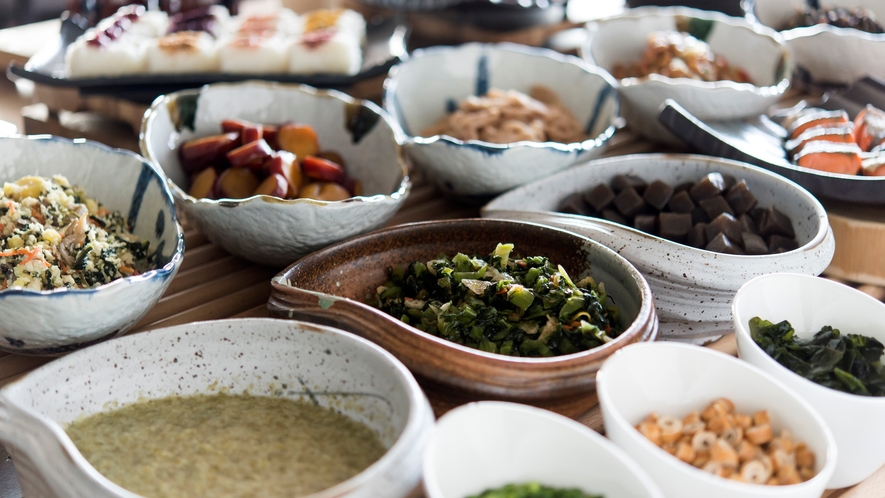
x,y
332,286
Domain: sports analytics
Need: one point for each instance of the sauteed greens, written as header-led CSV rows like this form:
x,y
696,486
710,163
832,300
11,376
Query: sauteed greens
x,y
533,490
516,307
850,363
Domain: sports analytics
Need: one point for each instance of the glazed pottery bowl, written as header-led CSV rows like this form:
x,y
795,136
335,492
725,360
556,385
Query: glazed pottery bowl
x,y
60,320
489,444
270,230
693,287
676,379
829,54
423,89
332,287
758,50
809,303
321,364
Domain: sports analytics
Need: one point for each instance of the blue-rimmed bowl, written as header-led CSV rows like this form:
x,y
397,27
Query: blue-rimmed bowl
x,y
427,86
60,320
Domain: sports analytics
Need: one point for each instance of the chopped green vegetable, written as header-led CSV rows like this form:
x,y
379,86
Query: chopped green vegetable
x,y
507,305
533,490
850,363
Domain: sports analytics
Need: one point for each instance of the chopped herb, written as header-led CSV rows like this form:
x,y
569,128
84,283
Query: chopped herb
x,y
533,490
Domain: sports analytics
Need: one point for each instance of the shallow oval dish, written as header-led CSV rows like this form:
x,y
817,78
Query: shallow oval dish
x,y
829,54
693,287
809,303
489,444
431,83
758,50
270,230
332,287
233,356
59,320
676,379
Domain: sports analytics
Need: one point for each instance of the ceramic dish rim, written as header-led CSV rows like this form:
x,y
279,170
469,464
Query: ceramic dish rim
x,y
707,478
152,112
391,82
817,239
817,388
808,31
163,272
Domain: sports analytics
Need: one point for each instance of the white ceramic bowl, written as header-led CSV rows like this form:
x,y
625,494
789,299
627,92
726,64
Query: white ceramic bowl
x,y
254,355
758,50
428,85
809,303
59,320
828,53
693,288
488,444
270,230
676,379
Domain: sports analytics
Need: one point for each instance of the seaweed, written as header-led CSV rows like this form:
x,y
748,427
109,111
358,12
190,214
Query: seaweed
x,y
533,490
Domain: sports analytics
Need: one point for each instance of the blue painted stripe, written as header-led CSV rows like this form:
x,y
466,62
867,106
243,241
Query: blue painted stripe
x,y
451,106
482,75
144,179
597,109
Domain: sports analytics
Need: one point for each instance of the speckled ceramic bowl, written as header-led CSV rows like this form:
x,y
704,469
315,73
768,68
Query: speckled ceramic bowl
x,y
265,357
270,230
693,288
758,50
429,84
829,54
55,321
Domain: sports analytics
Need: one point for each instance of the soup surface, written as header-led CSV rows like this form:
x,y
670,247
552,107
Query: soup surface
x,y
225,445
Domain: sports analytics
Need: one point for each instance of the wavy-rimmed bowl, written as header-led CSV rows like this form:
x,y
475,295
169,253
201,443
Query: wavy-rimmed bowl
x,y
428,85
332,286
59,320
489,444
676,379
758,50
693,287
809,303
263,357
829,54
270,230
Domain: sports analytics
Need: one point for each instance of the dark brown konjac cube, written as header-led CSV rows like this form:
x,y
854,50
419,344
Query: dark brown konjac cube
x,y
683,187
697,236
622,182
574,204
629,202
698,215
715,206
612,215
730,181
645,222
747,223
710,186
774,222
754,244
674,226
779,243
681,202
740,198
600,197
657,194
757,213
721,243
724,224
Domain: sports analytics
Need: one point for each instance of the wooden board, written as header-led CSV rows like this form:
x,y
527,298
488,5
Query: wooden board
x,y
860,243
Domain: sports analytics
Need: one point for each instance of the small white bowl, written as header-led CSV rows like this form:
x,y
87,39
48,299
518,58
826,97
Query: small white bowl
x,y
488,444
430,83
829,54
676,379
317,363
269,230
809,303
58,320
758,50
692,287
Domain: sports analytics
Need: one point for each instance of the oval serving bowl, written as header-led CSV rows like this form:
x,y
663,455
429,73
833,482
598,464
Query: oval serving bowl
x,y
693,287
829,54
431,82
489,444
676,379
758,50
809,303
269,230
259,356
59,320
332,286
